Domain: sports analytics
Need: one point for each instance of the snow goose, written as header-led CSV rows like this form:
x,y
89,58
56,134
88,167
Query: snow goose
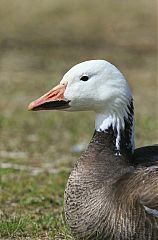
x,y
112,192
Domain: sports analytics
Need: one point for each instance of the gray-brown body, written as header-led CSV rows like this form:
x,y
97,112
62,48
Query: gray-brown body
x,y
112,196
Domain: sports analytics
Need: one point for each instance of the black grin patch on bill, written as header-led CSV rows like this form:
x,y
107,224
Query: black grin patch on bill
x,y
52,105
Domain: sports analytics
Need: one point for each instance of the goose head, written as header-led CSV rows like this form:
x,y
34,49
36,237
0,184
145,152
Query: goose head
x,y
94,85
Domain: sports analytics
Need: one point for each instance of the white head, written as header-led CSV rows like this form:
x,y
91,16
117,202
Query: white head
x,y
102,89
94,85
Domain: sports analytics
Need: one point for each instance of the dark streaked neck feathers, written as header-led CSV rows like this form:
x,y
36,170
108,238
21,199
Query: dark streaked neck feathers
x,y
119,132
104,156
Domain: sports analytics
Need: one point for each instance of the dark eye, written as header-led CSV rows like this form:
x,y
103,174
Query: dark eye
x,y
84,78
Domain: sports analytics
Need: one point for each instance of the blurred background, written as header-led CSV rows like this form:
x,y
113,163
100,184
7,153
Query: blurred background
x,y
39,42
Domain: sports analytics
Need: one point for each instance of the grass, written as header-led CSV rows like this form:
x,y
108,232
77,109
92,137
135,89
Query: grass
x,y
32,205
36,150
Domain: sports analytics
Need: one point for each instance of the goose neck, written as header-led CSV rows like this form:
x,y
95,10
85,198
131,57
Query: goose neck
x,y
115,130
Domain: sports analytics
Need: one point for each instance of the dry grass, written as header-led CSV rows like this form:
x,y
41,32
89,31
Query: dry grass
x,y
39,41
